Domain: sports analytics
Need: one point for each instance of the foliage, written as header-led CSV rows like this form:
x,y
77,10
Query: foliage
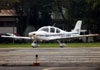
x,y
5,4
51,45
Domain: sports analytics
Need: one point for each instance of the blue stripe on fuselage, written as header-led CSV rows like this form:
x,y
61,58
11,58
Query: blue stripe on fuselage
x,y
64,35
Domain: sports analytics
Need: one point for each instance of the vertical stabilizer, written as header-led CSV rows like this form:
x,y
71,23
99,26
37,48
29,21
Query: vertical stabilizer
x,y
77,27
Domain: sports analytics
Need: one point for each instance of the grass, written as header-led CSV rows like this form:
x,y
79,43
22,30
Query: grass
x,y
51,45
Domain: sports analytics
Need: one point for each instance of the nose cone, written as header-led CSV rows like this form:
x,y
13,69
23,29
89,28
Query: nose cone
x,y
31,34
34,34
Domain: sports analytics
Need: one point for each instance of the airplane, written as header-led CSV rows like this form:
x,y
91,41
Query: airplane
x,y
47,33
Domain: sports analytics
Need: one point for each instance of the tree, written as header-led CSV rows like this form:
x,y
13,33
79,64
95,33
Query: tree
x,y
37,13
7,4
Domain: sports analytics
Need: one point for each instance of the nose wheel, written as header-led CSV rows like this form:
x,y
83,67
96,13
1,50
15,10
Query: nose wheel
x,y
62,45
35,45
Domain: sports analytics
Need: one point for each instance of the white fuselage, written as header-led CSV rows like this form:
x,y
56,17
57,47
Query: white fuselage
x,y
52,33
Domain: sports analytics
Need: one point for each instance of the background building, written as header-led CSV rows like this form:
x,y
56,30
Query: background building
x,y
8,19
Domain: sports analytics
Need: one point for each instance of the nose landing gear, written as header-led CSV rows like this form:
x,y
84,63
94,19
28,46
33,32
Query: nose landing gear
x,y
62,45
35,45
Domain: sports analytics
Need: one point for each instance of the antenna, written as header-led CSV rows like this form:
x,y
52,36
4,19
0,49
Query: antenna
x,y
54,24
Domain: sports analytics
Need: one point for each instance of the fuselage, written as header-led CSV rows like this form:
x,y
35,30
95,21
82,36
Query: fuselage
x,y
51,33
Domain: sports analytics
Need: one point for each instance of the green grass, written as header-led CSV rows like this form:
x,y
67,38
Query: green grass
x,y
50,45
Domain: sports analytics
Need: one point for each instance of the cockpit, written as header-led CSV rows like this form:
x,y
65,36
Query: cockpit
x,y
50,29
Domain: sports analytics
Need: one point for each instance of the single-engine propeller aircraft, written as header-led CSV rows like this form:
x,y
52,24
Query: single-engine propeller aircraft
x,y
48,33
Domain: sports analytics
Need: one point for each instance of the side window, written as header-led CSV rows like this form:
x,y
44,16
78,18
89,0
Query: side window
x,y
57,31
52,30
45,29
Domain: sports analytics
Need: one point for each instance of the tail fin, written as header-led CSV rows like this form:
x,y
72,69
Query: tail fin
x,y
77,27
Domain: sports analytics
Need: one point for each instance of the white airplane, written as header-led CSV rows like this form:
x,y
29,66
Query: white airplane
x,y
48,33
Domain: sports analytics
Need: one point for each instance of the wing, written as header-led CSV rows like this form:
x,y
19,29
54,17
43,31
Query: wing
x,y
16,37
79,36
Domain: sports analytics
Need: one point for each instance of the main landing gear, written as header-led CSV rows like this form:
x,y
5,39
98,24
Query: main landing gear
x,y
35,45
62,45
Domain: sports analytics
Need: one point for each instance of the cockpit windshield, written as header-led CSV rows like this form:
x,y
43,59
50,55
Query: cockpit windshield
x,y
44,29
50,29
